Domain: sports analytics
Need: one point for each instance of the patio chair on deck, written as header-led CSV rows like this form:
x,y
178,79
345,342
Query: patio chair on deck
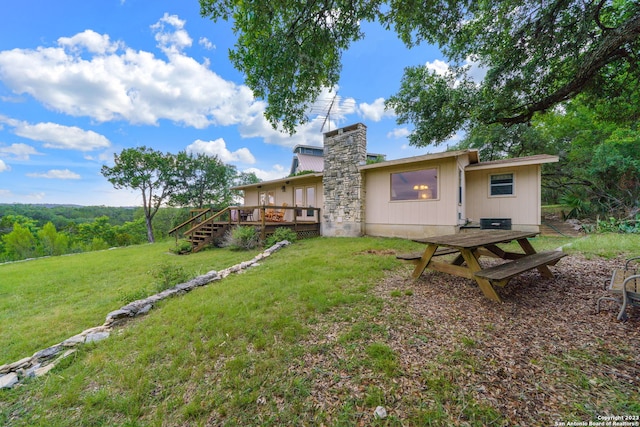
x,y
624,286
246,214
279,214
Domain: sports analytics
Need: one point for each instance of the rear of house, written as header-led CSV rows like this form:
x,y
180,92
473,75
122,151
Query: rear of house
x,y
413,197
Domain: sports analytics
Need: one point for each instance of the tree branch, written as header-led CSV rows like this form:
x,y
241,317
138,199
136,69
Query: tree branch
x,y
609,49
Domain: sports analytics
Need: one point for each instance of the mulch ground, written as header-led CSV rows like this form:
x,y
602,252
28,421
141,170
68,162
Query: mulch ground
x,y
538,357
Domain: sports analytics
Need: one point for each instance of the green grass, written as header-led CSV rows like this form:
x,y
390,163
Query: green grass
x,y
47,300
231,353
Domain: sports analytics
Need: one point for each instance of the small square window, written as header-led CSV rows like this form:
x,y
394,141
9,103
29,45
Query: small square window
x,y
502,185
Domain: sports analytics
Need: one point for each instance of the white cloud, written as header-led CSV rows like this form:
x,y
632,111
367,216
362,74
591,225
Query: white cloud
x,y
90,75
276,172
398,133
257,126
171,42
58,136
56,174
91,41
18,151
440,67
476,71
114,82
376,111
4,167
206,43
219,148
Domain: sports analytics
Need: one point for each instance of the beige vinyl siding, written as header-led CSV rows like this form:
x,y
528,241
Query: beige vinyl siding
x,y
252,194
411,218
523,207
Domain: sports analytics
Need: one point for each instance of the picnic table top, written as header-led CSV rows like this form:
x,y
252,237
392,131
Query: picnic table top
x,y
476,239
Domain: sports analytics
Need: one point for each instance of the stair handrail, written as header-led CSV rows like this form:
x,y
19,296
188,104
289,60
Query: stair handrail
x,y
206,221
190,220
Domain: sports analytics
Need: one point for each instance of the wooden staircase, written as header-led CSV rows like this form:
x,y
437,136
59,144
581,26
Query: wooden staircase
x,y
204,228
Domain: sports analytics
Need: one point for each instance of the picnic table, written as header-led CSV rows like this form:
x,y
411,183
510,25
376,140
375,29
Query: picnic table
x,y
470,246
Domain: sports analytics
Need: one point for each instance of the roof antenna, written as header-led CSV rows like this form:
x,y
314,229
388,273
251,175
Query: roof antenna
x,y
327,118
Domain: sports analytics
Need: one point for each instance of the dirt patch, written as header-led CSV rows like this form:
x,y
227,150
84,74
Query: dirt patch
x,y
377,252
541,356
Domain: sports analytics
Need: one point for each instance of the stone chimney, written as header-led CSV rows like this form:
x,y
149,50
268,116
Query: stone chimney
x,y
344,150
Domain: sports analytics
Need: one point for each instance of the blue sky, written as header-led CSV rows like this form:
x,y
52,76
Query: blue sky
x,y
81,80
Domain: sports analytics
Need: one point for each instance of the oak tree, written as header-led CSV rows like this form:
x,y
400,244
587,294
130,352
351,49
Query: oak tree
x,y
536,55
151,172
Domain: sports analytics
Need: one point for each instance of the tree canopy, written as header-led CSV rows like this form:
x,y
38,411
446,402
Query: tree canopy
x,y
536,55
151,172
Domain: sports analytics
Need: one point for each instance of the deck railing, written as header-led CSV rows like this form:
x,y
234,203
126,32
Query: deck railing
x,y
267,216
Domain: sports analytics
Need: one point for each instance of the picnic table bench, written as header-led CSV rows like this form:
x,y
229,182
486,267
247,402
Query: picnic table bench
x,y
472,245
500,274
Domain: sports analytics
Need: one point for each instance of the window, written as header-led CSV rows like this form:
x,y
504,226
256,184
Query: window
x,y
267,198
501,185
415,185
305,197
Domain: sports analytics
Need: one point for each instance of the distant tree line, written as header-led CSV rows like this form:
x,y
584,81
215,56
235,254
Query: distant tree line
x,y
28,231
170,186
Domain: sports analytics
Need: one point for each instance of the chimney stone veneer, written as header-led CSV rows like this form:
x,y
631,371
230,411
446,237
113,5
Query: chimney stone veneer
x,y
344,150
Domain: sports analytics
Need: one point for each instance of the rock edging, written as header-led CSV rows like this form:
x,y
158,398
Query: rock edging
x,y
45,360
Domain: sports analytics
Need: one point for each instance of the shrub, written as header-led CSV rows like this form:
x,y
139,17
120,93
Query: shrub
x,y
280,234
242,238
131,296
168,276
184,247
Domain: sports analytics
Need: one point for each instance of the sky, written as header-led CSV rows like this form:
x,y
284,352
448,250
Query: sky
x,y
82,80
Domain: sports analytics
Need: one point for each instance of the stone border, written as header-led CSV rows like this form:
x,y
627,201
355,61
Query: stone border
x,y
45,360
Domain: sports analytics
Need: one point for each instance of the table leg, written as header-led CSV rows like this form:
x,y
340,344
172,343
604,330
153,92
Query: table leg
x,y
474,266
424,261
528,249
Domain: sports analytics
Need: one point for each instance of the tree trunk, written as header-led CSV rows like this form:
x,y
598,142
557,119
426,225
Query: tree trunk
x,y
149,229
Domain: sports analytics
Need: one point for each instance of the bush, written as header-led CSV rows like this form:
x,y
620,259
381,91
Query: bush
x,y
242,238
131,296
184,247
168,276
281,233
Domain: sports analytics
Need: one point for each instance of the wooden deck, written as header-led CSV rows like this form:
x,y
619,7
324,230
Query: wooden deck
x,y
206,226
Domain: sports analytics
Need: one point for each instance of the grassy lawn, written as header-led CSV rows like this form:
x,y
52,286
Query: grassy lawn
x,y
245,350
47,300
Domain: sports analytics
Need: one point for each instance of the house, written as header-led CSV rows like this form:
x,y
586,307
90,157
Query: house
x,y
309,158
412,197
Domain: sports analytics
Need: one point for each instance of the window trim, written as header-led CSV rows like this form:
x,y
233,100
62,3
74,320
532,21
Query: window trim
x,y
491,185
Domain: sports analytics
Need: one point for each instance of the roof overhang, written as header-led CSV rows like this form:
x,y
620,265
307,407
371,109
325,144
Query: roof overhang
x,y
517,161
473,158
281,181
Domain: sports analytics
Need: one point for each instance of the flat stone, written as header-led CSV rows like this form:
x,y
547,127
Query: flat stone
x,y
74,340
118,314
144,310
94,330
97,336
48,353
44,369
15,365
9,380
31,372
